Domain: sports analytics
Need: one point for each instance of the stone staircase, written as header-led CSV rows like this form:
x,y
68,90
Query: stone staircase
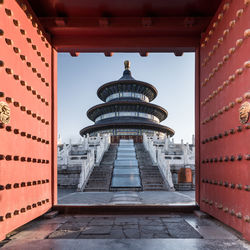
x,y
100,178
184,186
68,176
150,175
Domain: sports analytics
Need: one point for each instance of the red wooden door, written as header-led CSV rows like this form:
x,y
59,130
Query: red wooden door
x,y
27,169
224,135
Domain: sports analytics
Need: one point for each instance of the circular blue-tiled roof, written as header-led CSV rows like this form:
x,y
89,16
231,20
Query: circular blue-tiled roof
x,y
127,84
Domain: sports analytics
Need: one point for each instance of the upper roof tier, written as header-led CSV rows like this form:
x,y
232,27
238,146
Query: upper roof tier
x,y
127,84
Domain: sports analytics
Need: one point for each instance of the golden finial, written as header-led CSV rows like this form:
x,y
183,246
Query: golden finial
x,y
127,64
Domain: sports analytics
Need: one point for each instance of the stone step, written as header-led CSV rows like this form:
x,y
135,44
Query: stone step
x,y
97,177
152,176
100,173
153,188
184,186
98,185
96,190
153,182
154,185
93,177
126,189
97,181
151,172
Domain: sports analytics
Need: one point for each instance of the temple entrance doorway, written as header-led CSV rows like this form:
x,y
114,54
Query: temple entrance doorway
x,y
162,134
135,138
34,31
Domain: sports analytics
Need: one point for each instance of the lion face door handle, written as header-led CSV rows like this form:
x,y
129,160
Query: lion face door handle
x,y
244,112
4,113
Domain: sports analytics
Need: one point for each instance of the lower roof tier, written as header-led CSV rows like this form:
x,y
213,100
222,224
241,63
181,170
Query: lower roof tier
x,y
129,124
120,106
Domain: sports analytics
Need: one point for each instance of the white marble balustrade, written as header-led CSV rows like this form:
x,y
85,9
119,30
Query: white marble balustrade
x,y
169,156
82,156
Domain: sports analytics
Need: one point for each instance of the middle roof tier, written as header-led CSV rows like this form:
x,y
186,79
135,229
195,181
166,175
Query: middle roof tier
x,y
127,106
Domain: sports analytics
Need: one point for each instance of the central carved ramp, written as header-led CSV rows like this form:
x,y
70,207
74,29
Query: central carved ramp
x,y
126,174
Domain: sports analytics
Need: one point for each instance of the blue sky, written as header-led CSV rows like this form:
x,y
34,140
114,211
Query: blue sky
x,y
80,77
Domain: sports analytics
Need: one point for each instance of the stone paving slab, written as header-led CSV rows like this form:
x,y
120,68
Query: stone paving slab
x,y
173,219
153,229
126,220
97,198
103,221
131,233
181,230
64,234
73,226
80,219
171,226
146,197
150,221
125,198
211,229
96,230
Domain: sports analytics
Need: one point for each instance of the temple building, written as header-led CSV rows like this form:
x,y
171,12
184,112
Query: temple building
x,y
127,111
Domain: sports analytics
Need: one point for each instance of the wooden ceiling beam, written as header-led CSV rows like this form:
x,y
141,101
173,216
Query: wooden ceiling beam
x,y
139,44
167,23
144,54
108,54
74,54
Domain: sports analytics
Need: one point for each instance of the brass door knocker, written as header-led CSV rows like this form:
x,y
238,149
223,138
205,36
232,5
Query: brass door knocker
x,y
244,112
4,113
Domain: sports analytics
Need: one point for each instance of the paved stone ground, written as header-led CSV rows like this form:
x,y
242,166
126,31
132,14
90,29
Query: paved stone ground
x,y
179,231
125,227
147,197
63,192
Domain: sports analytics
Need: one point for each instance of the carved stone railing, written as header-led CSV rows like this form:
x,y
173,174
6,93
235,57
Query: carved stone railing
x,y
158,159
149,146
86,168
165,170
102,148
